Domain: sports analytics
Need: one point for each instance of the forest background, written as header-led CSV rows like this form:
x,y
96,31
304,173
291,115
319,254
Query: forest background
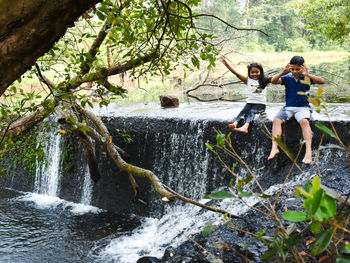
x,y
291,26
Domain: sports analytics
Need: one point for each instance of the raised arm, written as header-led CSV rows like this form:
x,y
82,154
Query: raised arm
x,y
240,76
316,79
277,78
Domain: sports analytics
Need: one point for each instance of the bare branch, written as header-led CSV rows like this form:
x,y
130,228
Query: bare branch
x,y
221,20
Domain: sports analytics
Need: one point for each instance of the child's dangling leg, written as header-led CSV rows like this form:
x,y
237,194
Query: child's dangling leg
x,y
240,116
254,109
244,128
307,135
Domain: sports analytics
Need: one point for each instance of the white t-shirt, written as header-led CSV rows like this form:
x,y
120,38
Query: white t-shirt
x,y
255,96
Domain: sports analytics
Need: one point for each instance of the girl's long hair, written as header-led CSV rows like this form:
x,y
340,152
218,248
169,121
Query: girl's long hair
x,y
263,81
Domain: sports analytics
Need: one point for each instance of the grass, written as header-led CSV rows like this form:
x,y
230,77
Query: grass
x,y
176,84
151,90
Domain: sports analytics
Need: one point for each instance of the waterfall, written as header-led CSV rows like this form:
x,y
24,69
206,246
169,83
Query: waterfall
x,y
86,194
47,176
173,148
155,235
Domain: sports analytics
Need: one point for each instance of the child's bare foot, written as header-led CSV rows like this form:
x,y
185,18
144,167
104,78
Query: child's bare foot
x,y
307,158
243,130
233,126
273,153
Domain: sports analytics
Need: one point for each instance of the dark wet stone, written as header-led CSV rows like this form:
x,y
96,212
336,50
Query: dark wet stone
x,y
149,260
168,101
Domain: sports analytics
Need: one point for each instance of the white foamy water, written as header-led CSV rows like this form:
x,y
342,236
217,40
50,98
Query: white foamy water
x,y
40,201
174,228
154,235
210,110
47,176
86,195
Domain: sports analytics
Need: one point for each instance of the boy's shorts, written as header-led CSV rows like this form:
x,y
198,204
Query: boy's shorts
x,y
299,113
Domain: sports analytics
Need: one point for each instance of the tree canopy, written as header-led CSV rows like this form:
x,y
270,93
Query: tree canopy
x,y
29,28
328,17
115,36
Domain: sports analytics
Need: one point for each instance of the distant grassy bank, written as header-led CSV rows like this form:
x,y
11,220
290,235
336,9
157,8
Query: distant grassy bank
x,y
276,60
151,90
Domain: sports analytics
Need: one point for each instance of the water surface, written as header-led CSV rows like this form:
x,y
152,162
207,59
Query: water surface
x,y
37,228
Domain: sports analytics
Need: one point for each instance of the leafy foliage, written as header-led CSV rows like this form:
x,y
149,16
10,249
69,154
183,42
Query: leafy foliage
x,y
328,17
319,209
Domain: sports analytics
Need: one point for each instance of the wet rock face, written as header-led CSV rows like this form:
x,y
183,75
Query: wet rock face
x,y
174,149
226,244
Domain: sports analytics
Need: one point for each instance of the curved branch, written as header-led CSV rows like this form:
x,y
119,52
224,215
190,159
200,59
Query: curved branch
x,y
85,67
164,191
89,150
103,73
221,20
229,25
211,85
24,124
196,86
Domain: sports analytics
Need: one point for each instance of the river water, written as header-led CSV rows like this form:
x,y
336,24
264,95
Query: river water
x,y
39,228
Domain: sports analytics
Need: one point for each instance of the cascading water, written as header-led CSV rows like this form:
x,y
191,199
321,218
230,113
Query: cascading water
x,y
86,193
47,176
48,173
180,163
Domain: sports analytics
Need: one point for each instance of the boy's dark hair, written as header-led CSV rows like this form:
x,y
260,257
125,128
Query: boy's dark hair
x,y
297,60
263,81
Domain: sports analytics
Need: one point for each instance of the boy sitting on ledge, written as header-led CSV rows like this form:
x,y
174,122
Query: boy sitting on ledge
x,y
297,105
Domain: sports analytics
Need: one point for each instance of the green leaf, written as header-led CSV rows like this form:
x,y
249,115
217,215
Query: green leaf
x,y
208,228
260,234
316,183
319,91
316,201
195,61
234,166
331,146
292,241
315,227
269,253
327,210
210,147
295,216
322,242
283,146
346,249
342,260
308,186
324,129
216,245
100,15
245,181
220,195
220,139
244,194
301,192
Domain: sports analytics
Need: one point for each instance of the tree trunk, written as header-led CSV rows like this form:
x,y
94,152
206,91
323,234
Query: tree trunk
x,y
29,28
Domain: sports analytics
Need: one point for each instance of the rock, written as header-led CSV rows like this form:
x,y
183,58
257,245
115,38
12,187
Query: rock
x,y
148,260
168,101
